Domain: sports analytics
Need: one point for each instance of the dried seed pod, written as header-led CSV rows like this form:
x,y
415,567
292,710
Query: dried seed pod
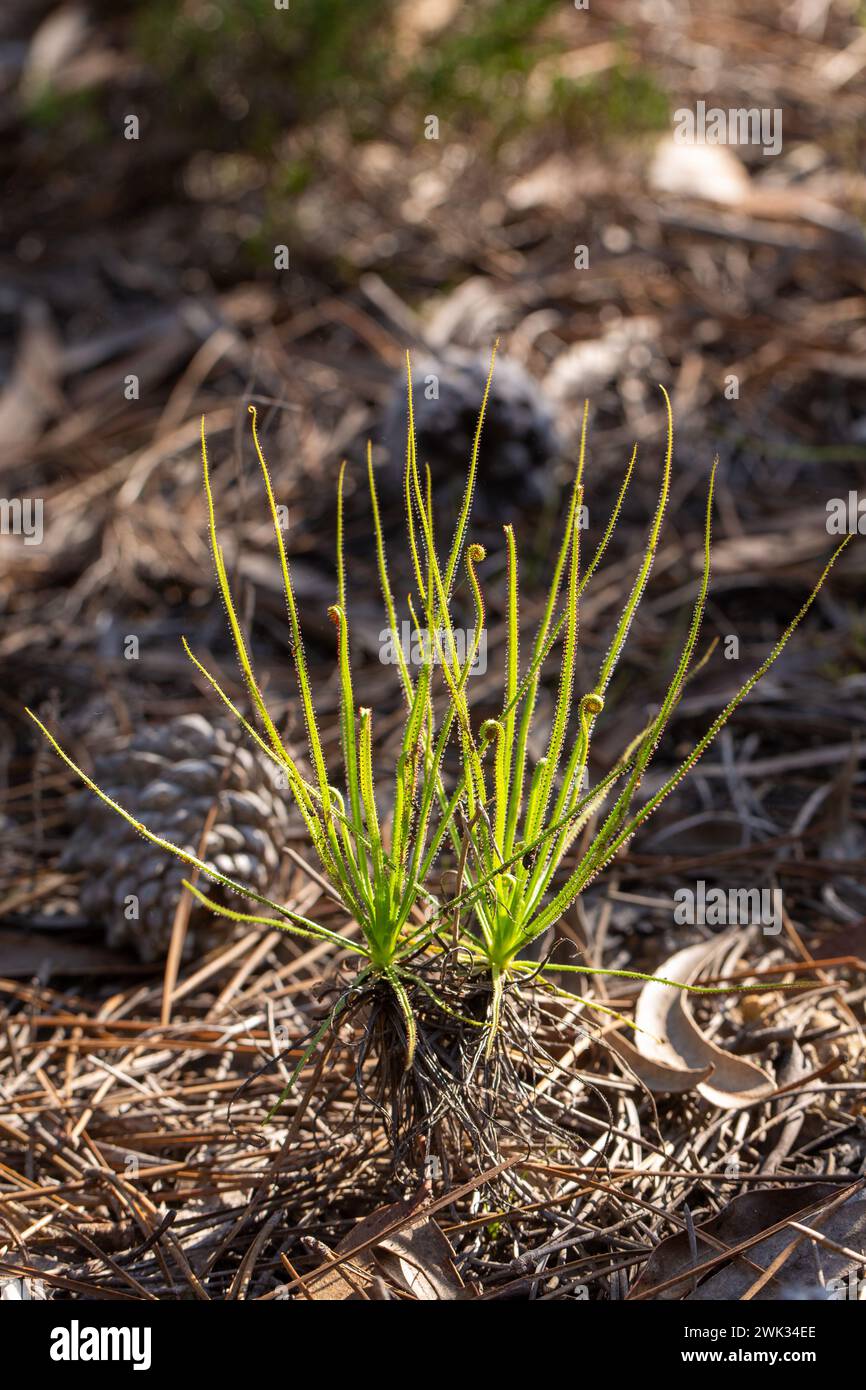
x,y
170,776
520,436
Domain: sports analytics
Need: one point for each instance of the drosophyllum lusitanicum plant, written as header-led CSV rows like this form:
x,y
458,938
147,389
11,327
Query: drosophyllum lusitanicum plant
x,y
519,827
431,973
380,876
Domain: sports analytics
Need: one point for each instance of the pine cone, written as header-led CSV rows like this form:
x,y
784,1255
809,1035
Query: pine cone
x,y
169,777
519,440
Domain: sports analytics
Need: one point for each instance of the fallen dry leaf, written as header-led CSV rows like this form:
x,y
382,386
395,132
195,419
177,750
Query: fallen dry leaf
x,y
416,1258
658,1077
669,1036
746,1217
713,173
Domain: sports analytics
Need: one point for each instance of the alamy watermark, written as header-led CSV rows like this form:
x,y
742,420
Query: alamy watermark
x,y
741,125
418,647
22,516
77,1343
847,1287
847,515
721,907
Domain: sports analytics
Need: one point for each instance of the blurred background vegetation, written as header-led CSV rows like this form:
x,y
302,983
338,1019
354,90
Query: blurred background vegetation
x,y
265,87
154,259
